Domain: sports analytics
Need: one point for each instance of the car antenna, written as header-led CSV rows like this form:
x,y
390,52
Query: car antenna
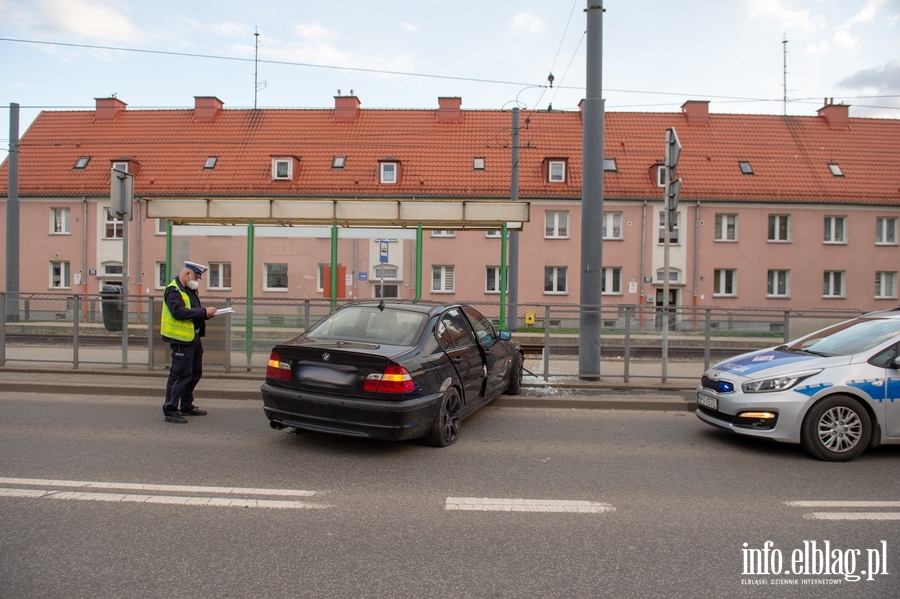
x,y
381,306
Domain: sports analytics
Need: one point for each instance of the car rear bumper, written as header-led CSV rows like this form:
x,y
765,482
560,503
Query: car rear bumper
x,y
374,419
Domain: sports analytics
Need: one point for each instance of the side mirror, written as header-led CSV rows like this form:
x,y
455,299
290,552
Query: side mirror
x,y
505,335
895,363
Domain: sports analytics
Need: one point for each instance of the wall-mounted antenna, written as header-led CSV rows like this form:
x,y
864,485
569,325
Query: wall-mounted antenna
x,y
784,53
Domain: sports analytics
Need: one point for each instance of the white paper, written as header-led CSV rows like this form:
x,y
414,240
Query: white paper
x,y
224,311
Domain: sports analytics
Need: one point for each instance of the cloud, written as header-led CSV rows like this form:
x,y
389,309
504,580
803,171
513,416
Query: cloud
x,y
409,26
230,29
528,21
842,35
819,49
798,21
885,78
312,32
86,19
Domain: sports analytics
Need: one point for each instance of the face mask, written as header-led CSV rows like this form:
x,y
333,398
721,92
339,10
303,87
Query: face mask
x,y
193,284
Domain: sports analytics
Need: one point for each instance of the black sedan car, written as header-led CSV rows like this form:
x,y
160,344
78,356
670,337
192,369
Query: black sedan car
x,y
391,371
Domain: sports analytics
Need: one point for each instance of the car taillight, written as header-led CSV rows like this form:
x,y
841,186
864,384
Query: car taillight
x,y
276,369
394,379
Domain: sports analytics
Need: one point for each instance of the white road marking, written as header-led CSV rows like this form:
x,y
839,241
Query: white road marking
x,y
843,503
147,487
852,516
487,504
168,499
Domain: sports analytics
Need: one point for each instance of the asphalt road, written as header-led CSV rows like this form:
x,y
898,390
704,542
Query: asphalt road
x,y
609,504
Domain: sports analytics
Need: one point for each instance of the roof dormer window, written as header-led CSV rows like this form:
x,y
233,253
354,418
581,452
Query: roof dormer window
x,y
835,170
282,169
746,169
556,171
81,163
120,166
210,162
389,171
661,175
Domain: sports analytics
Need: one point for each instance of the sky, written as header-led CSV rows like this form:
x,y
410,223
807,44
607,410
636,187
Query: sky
x,y
494,54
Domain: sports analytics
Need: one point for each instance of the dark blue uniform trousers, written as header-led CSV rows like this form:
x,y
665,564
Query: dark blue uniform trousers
x,y
187,368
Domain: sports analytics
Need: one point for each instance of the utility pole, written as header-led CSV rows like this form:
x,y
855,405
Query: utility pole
x,y
11,310
592,199
255,67
513,275
673,186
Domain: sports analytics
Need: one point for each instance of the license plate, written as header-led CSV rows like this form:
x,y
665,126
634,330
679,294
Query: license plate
x,y
710,402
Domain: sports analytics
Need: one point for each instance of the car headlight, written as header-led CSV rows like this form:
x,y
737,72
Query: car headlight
x,y
778,383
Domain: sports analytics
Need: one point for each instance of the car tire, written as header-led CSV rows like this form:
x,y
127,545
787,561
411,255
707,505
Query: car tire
x,y
445,428
515,375
836,429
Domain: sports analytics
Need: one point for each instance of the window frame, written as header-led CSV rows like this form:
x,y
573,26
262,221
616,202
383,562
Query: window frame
x,y
160,275
612,215
117,224
445,275
267,274
775,227
746,167
557,163
289,174
479,163
611,280
210,163
217,269
725,282
723,227
555,225
487,276
443,233
885,228
674,234
383,169
338,163
65,275
161,228
65,225
551,275
781,276
831,230
81,163
885,289
660,175
834,284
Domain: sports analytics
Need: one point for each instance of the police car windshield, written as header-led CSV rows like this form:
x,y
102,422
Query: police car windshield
x,y
848,338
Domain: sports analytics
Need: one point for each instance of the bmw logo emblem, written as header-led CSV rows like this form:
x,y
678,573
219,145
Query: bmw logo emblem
x,y
326,357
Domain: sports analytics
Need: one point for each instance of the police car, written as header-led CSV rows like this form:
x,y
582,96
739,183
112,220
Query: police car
x,y
835,391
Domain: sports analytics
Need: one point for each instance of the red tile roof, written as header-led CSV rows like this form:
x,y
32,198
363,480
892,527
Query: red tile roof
x,y
789,155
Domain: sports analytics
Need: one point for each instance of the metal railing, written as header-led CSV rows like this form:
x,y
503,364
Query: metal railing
x,y
86,329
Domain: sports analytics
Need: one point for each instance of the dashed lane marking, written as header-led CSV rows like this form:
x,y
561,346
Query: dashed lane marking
x,y
160,488
852,516
167,499
487,504
847,515
843,503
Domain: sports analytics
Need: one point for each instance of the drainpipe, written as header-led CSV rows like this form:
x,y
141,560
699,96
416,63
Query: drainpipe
x,y
84,268
643,261
696,257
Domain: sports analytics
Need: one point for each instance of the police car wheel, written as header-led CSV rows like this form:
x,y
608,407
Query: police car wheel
x,y
836,429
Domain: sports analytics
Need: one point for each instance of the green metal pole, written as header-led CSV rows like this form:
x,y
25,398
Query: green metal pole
x,y
503,234
418,264
334,264
248,334
169,274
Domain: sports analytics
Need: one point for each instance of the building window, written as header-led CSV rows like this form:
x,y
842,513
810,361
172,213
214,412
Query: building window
x,y
611,281
746,169
281,169
389,172
726,227
723,282
59,221
210,163
385,290
833,284
835,170
886,231
661,175
338,162
442,279
609,165
779,227
161,279
81,163
276,277
612,225
385,278
492,280
885,285
556,224
834,229
219,276
779,283
161,226
556,171
120,166
59,275
443,233
555,279
674,275
112,269
493,233
673,236
114,226
478,164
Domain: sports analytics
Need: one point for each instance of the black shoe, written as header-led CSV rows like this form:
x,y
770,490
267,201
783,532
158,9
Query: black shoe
x,y
176,417
194,412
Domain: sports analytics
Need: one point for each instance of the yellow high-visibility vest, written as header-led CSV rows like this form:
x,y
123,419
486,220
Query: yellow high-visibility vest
x,y
181,330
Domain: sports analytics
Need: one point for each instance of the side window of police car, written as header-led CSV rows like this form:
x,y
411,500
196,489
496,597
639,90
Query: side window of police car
x,y
483,329
884,359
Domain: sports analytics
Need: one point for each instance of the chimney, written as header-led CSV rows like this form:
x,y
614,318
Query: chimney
x,y
696,112
836,115
207,108
449,110
346,109
108,109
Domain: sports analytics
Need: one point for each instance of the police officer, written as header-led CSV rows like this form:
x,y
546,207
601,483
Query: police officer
x,y
183,324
